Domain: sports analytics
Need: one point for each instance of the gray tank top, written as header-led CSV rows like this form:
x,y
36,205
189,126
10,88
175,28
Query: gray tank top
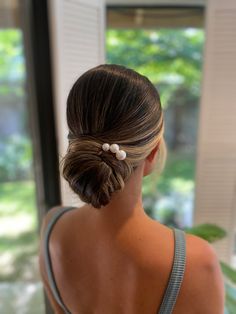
x,y
175,278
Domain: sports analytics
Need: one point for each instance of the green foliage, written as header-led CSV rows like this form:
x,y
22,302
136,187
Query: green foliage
x,y
18,224
176,182
11,55
17,198
15,158
229,272
178,175
171,59
207,231
15,149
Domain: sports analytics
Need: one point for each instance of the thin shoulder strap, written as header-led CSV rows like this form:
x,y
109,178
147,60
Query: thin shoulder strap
x,y
177,273
48,262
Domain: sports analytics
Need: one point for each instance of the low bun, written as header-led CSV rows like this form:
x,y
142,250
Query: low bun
x,y
93,174
115,105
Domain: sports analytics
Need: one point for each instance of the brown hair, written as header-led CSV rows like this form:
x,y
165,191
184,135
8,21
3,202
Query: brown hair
x,y
109,104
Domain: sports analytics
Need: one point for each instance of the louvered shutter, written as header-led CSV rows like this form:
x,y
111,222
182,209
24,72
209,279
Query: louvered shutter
x,y
215,199
77,44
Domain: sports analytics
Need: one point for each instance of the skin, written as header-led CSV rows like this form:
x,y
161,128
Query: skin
x,y
117,260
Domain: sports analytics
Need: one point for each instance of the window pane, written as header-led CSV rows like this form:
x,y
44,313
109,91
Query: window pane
x,y
20,287
172,59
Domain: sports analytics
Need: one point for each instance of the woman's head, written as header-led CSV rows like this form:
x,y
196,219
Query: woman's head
x,y
109,104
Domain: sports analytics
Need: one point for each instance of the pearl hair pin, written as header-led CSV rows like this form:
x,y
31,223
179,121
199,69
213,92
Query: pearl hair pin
x,y
114,148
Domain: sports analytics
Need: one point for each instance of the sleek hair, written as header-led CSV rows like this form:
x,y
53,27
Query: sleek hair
x,y
109,104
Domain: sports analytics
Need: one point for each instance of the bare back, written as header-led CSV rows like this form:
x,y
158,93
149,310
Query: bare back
x,y
125,270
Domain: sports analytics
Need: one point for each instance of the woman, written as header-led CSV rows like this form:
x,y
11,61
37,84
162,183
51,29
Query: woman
x,y
109,256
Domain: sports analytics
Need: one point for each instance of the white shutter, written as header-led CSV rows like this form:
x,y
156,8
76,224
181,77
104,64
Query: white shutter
x,y
77,29
216,158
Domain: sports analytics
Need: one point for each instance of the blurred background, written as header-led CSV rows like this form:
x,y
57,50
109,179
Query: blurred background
x,y
187,49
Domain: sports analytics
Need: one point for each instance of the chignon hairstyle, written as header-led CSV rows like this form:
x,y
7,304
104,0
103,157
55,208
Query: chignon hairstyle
x,y
109,104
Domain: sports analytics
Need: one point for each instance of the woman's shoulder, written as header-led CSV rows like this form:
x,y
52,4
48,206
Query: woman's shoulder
x,y
57,228
48,217
200,251
55,212
203,275
202,284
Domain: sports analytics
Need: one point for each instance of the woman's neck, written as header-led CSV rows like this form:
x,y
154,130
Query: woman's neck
x,y
126,204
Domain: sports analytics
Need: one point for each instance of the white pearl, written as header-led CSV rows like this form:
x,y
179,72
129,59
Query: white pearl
x,y
121,155
105,147
114,148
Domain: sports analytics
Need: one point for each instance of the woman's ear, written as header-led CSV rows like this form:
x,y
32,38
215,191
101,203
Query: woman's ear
x,y
150,161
